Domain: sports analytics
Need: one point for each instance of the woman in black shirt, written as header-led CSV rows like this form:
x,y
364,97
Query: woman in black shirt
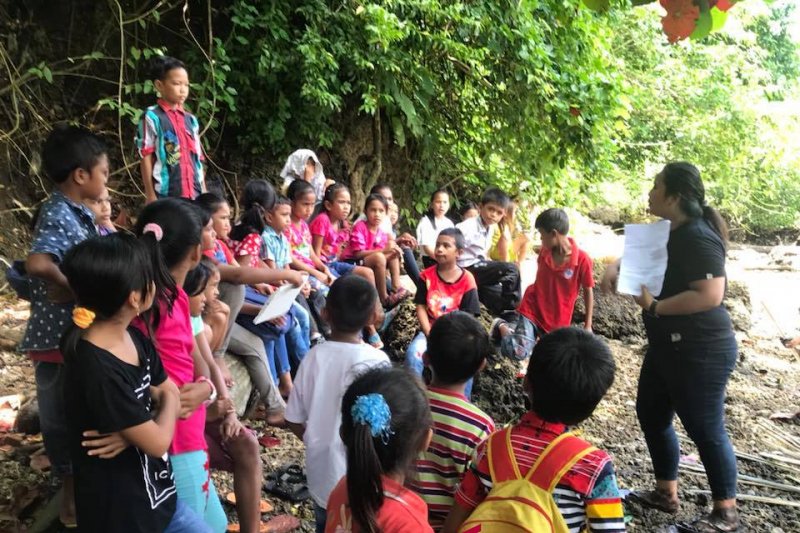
x,y
692,350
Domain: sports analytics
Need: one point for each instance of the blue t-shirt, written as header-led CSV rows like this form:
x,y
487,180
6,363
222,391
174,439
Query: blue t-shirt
x,y
277,246
61,225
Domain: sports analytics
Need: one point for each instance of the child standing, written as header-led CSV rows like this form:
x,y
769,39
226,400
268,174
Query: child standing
x,y
168,138
115,383
568,374
498,282
370,245
328,368
173,230
76,162
563,269
434,221
457,348
442,289
101,207
385,423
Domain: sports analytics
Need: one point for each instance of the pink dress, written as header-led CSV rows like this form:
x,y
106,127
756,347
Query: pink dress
x,y
363,240
333,240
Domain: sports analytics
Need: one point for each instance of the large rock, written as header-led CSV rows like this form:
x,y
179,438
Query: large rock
x,y
616,316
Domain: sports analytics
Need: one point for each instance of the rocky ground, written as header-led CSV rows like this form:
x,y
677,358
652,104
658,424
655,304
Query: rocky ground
x,y
763,399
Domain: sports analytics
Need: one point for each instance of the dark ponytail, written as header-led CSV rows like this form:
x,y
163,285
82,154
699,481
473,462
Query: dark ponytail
x,y
372,451
170,228
429,212
683,180
258,197
102,273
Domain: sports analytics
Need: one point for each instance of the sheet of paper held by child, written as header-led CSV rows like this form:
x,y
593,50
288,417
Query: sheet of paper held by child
x,y
644,258
278,304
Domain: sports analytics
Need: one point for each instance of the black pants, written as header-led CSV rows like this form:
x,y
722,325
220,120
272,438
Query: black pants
x,y
498,285
688,379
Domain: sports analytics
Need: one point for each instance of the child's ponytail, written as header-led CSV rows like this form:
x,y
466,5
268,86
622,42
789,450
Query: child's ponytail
x,y
386,422
258,197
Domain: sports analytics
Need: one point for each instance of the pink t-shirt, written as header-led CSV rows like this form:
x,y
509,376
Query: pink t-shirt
x,y
174,343
363,240
333,240
299,237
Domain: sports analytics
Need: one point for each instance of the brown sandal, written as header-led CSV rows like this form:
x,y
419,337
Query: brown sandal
x,y
717,521
654,499
281,524
263,505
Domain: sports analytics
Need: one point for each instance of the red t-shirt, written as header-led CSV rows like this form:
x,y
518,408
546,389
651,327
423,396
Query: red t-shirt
x,y
440,297
402,510
549,302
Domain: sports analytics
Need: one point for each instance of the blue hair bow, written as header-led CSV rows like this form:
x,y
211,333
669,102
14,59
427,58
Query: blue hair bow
x,y
373,411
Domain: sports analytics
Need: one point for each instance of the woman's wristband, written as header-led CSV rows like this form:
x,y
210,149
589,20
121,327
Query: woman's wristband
x,y
652,308
213,395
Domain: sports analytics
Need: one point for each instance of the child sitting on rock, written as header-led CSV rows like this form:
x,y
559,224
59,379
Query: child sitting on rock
x,y
563,269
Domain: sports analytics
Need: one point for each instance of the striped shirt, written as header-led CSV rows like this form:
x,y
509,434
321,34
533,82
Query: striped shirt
x,y
587,495
458,428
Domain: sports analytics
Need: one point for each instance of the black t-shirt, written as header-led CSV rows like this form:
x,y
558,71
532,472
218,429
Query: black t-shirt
x,y
133,492
695,252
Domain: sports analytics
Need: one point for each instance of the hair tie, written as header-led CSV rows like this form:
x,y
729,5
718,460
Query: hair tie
x,y
155,229
373,411
82,317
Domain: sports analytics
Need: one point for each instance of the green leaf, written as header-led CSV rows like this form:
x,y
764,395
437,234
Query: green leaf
x,y
47,74
703,27
718,18
135,53
596,5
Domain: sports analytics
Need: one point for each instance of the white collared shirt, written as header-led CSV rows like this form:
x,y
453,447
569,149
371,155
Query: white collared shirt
x,y
478,240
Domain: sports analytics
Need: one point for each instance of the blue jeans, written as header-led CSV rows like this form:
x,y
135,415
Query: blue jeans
x,y
688,379
52,416
185,520
418,346
520,343
320,517
298,337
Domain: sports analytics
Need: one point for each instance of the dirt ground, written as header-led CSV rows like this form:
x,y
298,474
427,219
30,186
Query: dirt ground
x,y
763,397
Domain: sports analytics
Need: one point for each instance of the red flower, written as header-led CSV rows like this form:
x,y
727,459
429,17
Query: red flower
x,y
680,20
724,5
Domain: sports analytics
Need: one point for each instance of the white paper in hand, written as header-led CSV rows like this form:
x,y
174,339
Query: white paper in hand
x,y
278,304
644,259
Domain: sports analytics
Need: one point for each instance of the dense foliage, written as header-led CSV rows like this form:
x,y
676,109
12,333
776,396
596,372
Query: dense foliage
x,y
545,98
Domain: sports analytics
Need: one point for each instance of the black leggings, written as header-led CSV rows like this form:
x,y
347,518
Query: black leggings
x,y
689,379
498,285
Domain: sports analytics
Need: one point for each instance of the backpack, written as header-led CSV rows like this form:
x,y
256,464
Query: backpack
x,y
516,503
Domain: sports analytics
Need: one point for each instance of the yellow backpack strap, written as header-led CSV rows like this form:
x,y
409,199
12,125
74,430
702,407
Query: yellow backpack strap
x,y
502,463
556,460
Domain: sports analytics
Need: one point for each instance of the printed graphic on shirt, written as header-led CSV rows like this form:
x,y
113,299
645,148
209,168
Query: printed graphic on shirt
x,y
158,479
172,148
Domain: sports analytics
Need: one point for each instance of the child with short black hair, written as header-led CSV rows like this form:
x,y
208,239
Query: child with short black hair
x,y
563,269
498,281
386,422
442,289
76,161
326,371
101,207
115,383
168,138
457,349
569,372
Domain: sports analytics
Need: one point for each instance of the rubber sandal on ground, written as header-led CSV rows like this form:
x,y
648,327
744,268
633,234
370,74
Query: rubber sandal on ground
x,y
375,341
653,499
280,524
268,441
263,505
289,483
713,522
395,298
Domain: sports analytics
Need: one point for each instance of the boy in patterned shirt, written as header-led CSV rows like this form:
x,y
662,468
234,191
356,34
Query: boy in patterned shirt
x,y
569,372
457,348
75,160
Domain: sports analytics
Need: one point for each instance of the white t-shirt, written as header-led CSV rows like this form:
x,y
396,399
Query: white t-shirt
x,y
316,401
477,239
427,234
